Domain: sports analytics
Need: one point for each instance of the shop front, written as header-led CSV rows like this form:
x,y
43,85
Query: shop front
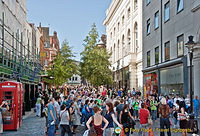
x,y
172,80
150,83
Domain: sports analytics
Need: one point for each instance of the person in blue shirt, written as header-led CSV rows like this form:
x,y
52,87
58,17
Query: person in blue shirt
x,y
196,106
119,93
51,117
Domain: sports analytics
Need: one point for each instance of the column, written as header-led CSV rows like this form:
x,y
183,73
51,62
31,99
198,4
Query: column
x,y
196,68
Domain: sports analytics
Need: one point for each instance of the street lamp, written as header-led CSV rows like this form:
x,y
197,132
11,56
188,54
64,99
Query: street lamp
x,y
190,45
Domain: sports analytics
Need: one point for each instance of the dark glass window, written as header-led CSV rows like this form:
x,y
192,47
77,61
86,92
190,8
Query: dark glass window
x,y
148,27
156,55
167,51
148,59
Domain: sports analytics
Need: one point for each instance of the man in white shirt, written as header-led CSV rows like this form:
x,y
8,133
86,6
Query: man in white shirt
x,y
187,103
175,99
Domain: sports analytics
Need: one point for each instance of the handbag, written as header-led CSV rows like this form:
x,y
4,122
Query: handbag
x,y
92,131
122,133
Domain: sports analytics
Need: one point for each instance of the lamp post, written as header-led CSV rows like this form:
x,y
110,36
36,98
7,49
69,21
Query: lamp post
x,y
190,45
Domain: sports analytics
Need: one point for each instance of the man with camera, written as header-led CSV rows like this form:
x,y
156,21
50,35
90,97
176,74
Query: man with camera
x,y
3,108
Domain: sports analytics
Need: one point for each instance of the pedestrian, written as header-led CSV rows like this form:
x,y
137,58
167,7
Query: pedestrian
x,y
57,109
182,119
110,117
51,117
153,105
124,118
136,108
164,111
196,106
64,121
3,108
77,115
187,104
119,108
96,121
38,106
144,114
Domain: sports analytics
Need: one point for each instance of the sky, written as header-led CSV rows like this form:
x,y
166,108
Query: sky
x,y
71,19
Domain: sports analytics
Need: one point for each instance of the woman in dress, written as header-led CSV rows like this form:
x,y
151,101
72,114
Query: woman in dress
x,y
183,121
96,121
77,115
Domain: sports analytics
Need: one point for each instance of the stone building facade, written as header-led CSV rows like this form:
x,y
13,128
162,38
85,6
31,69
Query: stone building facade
x,y
166,27
124,40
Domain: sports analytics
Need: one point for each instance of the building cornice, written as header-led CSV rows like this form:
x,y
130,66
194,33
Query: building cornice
x,y
196,8
111,10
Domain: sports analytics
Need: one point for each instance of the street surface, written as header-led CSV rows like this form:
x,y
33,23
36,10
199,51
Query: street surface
x,y
35,126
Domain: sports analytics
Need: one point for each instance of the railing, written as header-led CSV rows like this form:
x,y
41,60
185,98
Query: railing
x,y
16,59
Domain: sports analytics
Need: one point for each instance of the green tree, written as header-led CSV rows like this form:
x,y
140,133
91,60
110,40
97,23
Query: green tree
x,y
62,67
95,61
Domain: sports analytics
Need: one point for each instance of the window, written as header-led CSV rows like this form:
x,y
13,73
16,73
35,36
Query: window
x,y
167,51
136,35
47,53
75,78
148,59
72,78
156,55
123,20
129,13
180,45
114,31
46,45
135,4
46,62
111,35
114,52
69,79
118,26
148,1
167,12
148,27
129,40
156,21
180,5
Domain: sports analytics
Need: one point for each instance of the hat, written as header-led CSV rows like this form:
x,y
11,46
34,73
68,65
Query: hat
x,y
163,101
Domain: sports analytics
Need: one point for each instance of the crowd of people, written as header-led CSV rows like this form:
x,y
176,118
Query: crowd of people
x,y
101,109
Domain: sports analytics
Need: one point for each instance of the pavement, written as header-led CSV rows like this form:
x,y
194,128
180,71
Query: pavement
x,y
35,126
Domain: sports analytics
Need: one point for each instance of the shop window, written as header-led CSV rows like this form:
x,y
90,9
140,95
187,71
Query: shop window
x,y
180,5
156,55
148,59
167,12
180,45
148,26
156,21
167,51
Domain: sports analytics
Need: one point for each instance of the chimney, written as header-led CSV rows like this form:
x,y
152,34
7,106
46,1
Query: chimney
x,y
40,25
55,33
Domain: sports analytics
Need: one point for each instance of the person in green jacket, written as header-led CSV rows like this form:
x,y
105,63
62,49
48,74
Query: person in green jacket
x,y
153,105
136,108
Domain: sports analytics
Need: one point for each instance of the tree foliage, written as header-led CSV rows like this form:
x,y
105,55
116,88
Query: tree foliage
x,y
95,61
62,67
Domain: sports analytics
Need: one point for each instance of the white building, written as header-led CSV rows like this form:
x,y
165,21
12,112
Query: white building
x,y
166,27
124,40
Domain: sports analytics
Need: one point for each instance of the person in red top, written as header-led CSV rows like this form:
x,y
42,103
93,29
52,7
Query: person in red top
x,y
104,93
144,114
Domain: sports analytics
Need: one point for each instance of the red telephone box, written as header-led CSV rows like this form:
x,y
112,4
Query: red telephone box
x,y
12,92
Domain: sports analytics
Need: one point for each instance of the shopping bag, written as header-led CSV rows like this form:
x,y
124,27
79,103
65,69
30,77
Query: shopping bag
x,y
86,133
122,133
150,132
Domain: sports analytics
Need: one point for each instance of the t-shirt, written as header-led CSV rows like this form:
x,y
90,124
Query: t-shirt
x,y
143,116
136,105
38,100
57,106
196,103
64,115
119,93
119,109
108,117
51,107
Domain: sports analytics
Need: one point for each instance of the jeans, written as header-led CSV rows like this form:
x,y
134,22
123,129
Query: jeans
x,y
108,132
38,109
165,122
153,114
196,111
143,130
51,129
64,129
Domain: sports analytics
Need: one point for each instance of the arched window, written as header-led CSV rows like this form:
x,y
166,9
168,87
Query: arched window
x,y
114,31
111,53
129,13
114,54
111,35
135,4
123,20
123,46
136,36
118,50
129,38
